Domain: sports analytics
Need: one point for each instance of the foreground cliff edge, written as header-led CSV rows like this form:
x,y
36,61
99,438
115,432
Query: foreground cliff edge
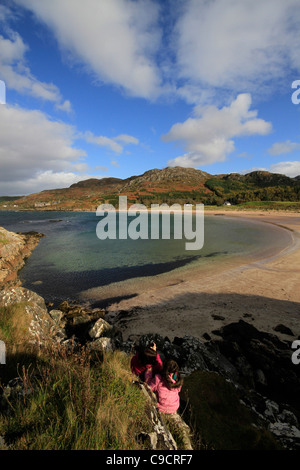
x,y
240,392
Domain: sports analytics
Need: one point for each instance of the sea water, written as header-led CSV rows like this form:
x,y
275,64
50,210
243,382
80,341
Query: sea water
x,y
71,260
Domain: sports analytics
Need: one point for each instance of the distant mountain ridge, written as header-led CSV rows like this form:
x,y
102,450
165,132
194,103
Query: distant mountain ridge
x,y
169,185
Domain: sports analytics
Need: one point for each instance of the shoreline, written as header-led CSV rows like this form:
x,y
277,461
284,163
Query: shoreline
x,y
264,292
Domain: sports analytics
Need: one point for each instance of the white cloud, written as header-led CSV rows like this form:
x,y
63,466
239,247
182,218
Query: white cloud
x,y
280,148
237,45
116,144
116,40
208,137
17,75
14,70
103,141
38,153
291,169
65,106
199,50
33,146
101,168
127,139
41,181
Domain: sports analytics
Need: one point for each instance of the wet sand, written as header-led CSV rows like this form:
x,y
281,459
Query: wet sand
x,y
264,291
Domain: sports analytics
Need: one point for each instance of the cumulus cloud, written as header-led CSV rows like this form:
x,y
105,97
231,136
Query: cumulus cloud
x,y
127,139
17,75
33,147
116,40
65,106
43,180
116,144
38,153
208,137
291,169
280,148
237,45
194,48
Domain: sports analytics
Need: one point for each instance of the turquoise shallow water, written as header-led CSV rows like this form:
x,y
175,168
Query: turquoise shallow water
x,y
71,259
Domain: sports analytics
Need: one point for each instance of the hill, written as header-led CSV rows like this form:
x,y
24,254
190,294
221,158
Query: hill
x,y
169,185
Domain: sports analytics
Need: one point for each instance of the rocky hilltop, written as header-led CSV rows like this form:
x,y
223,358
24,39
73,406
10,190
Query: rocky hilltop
x,y
169,185
174,176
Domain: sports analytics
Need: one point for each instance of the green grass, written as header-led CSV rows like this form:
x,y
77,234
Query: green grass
x,y
3,239
76,401
76,404
259,205
273,205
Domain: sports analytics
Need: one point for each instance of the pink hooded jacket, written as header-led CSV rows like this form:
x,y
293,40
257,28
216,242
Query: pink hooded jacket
x,y
138,368
167,398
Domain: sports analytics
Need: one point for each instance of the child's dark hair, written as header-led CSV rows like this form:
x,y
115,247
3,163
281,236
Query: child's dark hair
x,y
147,356
171,367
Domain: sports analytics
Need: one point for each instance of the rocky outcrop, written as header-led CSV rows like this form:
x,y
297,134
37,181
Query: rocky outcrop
x,y
15,248
41,327
160,438
170,175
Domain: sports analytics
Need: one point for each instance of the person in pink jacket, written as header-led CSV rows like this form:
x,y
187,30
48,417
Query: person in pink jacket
x,y
146,363
166,386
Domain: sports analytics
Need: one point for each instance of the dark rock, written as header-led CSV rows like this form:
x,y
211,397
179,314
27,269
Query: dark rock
x,y
218,317
284,329
251,350
206,336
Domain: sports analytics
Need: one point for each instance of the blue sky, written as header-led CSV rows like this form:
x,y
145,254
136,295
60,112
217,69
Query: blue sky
x,y
100,88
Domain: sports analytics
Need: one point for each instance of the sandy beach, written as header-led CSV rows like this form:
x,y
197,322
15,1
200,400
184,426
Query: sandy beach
x,y
264,292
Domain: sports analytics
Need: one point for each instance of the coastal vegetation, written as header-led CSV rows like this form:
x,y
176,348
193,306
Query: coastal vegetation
x,y
68,401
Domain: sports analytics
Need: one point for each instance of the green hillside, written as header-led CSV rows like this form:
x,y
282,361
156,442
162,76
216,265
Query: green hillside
x,y
169,185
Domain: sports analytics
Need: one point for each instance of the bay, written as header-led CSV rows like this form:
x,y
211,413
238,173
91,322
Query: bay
x,y
71,259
